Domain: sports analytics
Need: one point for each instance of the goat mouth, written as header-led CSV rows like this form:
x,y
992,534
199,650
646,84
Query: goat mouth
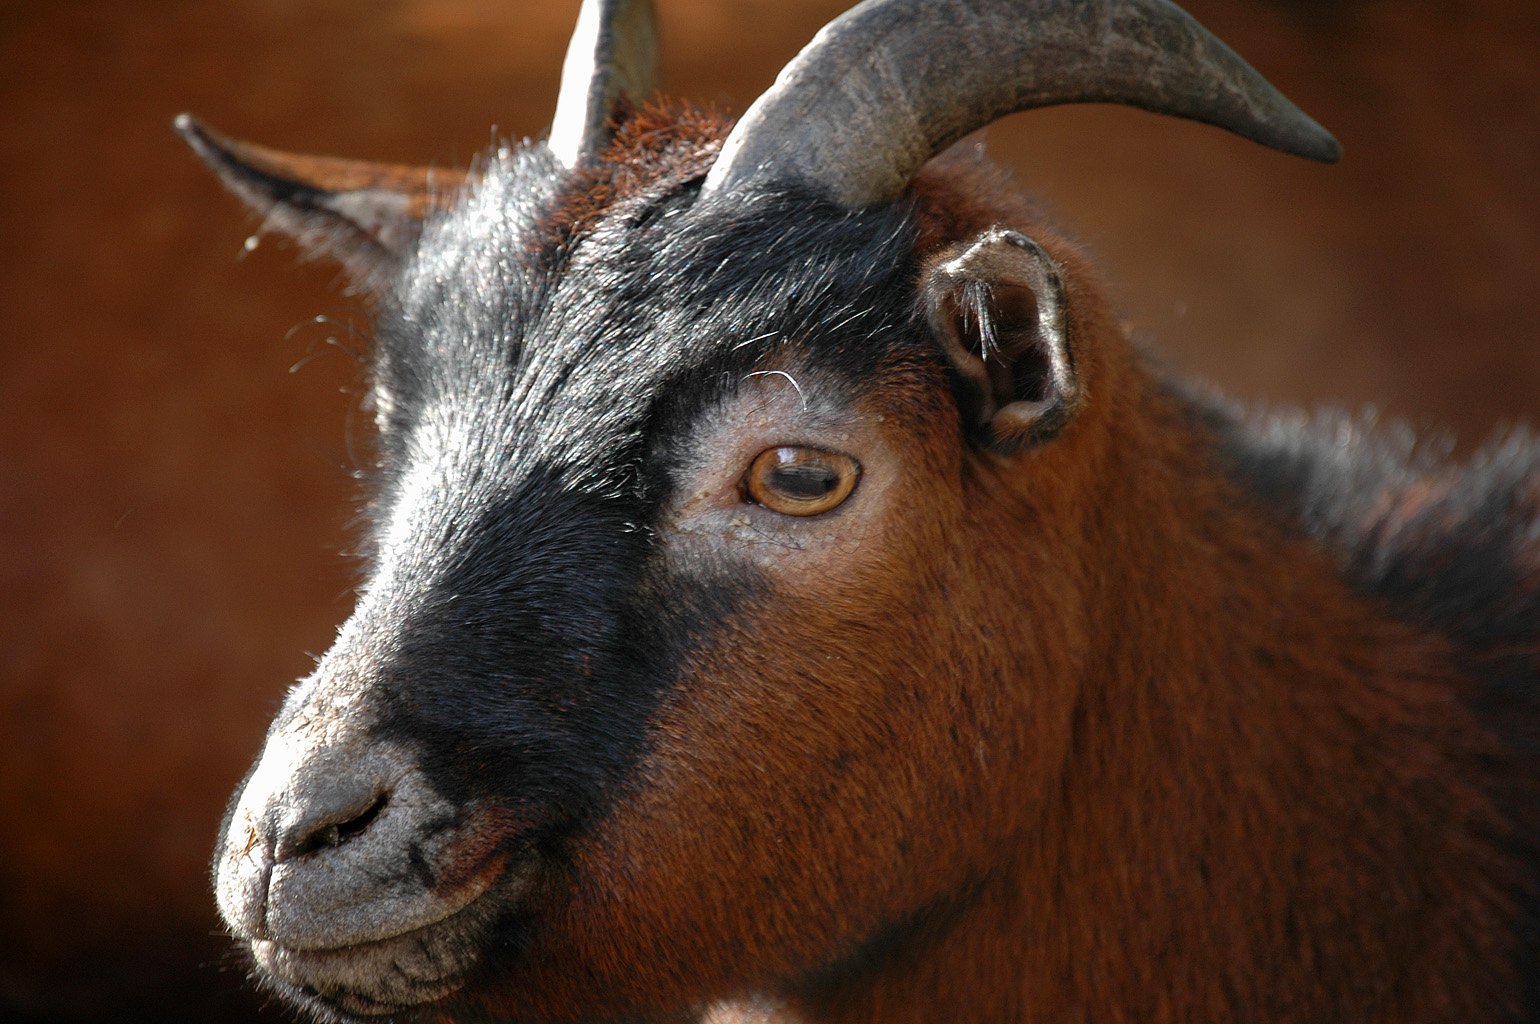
x,y
394,976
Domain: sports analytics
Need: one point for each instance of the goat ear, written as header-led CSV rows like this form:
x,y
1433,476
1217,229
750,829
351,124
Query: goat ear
x,y
364,215
996,305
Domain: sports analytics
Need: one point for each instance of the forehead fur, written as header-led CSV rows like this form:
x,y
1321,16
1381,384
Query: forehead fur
x,y
574,318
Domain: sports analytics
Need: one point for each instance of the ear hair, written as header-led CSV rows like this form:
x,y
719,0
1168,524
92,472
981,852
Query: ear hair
x,y
997,306
365,215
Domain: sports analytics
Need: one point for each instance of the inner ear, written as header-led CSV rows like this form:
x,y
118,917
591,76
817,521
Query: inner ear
x,y
997,307
365,215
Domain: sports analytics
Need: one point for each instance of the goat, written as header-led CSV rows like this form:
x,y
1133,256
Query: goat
x,y
793,596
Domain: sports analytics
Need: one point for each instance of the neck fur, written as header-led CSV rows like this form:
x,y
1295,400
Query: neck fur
x,y
1270,809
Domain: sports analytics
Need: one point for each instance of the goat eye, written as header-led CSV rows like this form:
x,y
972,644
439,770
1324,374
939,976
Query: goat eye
x,y
800,481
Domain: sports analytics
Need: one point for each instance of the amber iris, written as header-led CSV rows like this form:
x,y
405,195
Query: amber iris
x,y
799,481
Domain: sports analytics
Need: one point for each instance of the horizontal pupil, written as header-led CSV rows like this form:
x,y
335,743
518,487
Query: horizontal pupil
x,y
805,482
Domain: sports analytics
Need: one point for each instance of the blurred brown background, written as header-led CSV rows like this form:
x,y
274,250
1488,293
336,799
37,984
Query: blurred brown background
x,y
173,500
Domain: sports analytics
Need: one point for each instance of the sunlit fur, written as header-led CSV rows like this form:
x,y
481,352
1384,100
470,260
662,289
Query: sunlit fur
x,y
1178,716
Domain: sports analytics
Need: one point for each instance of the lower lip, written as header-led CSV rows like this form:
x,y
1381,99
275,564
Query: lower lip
x,y
302,968
288,969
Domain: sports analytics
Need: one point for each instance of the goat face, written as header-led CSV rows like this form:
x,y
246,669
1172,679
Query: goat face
x,y
687,620
611,697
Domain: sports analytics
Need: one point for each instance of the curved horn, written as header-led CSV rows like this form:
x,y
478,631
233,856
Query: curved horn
x,y
890,83
613,55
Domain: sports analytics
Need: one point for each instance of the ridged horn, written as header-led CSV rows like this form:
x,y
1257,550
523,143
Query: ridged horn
x,y
890,83
613,55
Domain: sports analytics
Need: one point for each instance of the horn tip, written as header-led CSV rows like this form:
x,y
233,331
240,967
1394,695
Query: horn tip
x,y
1330,150
1315,143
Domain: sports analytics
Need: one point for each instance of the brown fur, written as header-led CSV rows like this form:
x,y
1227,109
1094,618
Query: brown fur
x,y
175,498
1091,736
657,146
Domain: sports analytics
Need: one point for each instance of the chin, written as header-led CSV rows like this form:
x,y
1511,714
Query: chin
x,y
417,975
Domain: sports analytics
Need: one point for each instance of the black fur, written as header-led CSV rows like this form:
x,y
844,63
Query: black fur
x,y
1450,546
1445,544
535,384
535,388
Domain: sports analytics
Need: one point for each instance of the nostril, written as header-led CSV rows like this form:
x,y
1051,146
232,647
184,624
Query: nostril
x,y
339,829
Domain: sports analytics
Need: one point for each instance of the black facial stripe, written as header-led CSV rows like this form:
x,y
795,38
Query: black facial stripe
x,y
537,628
530,670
